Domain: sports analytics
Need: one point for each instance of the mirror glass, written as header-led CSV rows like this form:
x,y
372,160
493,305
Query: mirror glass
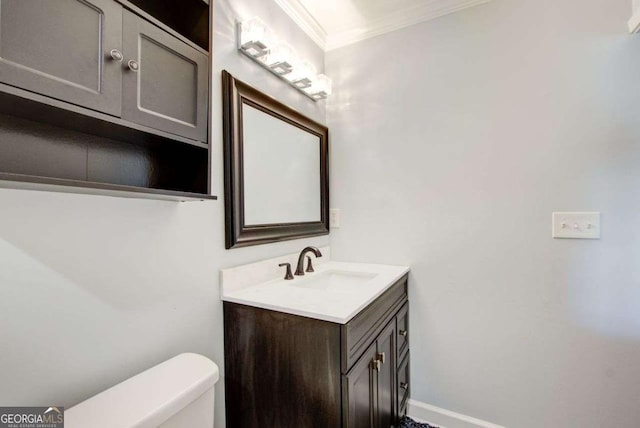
x,y
281,170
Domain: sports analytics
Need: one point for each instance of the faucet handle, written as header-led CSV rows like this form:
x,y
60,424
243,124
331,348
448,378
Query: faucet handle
x,y
309,265
288,275
300,265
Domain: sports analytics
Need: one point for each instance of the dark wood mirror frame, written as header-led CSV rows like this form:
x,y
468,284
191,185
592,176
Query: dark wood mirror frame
x,y
235,94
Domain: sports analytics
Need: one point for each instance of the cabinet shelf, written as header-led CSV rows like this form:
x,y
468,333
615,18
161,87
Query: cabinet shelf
x,y
186,19
29,182
18,102
36,154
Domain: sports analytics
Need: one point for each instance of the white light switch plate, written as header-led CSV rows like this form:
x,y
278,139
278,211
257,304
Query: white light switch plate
x,y
334,218
576,225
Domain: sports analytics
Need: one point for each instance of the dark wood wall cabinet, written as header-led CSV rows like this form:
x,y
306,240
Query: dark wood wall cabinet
x,y
101,96
288,371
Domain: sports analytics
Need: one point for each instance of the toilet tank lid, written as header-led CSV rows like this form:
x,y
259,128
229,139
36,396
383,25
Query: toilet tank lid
x,y
149,398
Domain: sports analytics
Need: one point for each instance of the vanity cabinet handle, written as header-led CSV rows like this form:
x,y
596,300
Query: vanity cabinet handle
x,y
288,276
403,333
381,357
404,385
376,365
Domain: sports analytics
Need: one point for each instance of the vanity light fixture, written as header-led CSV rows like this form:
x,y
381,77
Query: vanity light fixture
x,y
255,38
258,42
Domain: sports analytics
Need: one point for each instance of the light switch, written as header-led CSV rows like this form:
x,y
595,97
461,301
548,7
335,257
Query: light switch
x,y
578,225
334,218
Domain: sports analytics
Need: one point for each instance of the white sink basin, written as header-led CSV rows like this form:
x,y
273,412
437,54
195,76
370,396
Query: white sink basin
x,y
335,292
336,281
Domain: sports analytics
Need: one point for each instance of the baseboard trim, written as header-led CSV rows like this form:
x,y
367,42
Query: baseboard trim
x,y
444,418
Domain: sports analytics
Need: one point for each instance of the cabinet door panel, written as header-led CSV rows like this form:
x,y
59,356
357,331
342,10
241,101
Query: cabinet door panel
x,y
61,49
386,348
170,90
359,392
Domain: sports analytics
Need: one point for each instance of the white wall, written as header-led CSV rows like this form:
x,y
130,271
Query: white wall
x,y
452,143
96,289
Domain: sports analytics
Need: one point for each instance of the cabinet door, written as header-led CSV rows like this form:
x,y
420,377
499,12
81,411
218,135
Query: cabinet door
x,y
61,49
359,393
386,354
167,86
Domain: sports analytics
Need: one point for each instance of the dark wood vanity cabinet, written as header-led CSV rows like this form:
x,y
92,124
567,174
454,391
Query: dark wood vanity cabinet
x,y
284,370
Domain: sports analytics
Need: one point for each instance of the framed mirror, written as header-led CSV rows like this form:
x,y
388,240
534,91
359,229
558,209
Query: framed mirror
x,y
276,169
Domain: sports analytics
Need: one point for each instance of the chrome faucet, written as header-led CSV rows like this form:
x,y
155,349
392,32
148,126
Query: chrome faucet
x,y
300,267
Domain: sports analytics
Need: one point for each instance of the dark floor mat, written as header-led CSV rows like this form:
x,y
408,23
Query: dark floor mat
x,y
410,423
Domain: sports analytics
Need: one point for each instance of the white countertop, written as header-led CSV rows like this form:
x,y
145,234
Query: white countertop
x,y
335,301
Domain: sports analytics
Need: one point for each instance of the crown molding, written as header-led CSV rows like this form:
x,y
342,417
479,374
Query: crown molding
x,y
396,22
304,20
405,18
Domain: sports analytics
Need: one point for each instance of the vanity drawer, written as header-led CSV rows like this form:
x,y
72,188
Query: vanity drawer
x,y
360,332
403,382
402,331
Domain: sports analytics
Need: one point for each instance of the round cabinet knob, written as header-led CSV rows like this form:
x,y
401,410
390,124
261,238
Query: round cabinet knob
x,y
404,385
133,65
116,55
403,333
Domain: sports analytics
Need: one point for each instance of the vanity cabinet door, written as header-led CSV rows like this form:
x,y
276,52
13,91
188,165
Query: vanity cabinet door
x,y
370,386
386,377
360,392
165,81
61,49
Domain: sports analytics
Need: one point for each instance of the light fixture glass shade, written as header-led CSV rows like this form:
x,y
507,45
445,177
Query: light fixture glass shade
x,y
302,75
255,37
321,88
280,58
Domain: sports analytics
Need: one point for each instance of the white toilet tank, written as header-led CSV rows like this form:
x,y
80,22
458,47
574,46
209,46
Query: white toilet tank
x,y
178,393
